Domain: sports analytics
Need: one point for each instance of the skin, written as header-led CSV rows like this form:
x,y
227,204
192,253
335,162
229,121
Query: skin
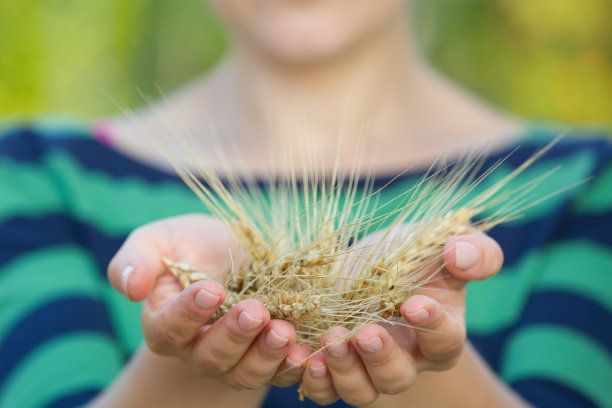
x,y
339,64
254,351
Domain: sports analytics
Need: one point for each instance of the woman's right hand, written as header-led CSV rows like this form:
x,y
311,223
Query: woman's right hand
x,y
245,348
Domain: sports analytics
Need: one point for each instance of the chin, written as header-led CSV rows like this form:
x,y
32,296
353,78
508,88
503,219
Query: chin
x,y
303,41
304,50
303,31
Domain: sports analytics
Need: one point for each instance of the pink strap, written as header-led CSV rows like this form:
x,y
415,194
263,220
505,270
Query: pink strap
x,y
103,131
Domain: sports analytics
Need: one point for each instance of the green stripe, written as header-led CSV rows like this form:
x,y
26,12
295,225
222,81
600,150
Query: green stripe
x,y
26,188
582,268
578,267
597,197
116,206
561,355
38,277
65,365
125,319
572,169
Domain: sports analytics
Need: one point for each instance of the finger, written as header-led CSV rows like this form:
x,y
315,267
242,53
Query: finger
x,y
350,377
221,347
317,382
177,322
292,369
391,370
135,267
473,257
443,335
264,357
194,238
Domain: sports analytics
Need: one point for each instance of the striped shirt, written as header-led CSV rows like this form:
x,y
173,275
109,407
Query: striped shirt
x,y
67,202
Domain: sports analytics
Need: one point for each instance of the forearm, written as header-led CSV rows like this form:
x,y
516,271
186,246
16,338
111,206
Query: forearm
x,y
471,383
153,381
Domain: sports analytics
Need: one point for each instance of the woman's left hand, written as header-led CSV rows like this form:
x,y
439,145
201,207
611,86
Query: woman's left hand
x,y
378,360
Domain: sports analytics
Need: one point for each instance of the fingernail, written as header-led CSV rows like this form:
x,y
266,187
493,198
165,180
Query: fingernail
x,y
248,322
338,349
125,275
420,316
205,299
275,341
317,370
373,345
466,255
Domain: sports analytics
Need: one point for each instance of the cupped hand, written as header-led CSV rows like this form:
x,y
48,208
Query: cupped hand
x,y
387,360
245,348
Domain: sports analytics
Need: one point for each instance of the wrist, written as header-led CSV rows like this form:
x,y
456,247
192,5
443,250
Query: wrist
x,y
157,381
469,383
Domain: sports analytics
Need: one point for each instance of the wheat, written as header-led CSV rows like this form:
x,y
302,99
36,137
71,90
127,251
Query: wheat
x,y
310,258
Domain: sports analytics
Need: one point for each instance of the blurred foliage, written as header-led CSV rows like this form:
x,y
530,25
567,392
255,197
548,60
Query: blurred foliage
x,y
538,58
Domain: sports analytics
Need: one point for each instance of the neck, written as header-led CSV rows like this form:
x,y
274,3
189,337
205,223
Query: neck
x,y
378,91
363,87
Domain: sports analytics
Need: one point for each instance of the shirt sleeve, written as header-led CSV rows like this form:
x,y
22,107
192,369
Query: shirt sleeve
x,y
559,354
57,343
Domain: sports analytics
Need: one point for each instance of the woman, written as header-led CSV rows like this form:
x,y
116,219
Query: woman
x,y
341,66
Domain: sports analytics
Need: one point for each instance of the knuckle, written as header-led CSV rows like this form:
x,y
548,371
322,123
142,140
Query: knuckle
x,y
324,401
287,378
255,372
377,361
447,351
245,381
239,337
445,364
341,368
158,348
398,385
326,397
445,354
165,337
363,398
284,382
212,363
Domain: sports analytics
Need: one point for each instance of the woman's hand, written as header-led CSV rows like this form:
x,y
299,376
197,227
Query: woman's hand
x,y
387,360
245,348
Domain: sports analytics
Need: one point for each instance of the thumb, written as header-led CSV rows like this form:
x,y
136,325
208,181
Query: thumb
x,y
138,263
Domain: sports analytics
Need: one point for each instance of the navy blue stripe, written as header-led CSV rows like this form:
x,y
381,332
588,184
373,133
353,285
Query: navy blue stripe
x,y
30,146
594,227
517,240
20,235
568,309
60,317
543,393
77,399
550,307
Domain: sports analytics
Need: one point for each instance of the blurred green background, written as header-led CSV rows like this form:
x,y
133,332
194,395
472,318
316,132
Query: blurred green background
x,y
546,59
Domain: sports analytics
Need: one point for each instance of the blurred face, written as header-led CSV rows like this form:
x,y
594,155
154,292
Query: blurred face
x,y
303,31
